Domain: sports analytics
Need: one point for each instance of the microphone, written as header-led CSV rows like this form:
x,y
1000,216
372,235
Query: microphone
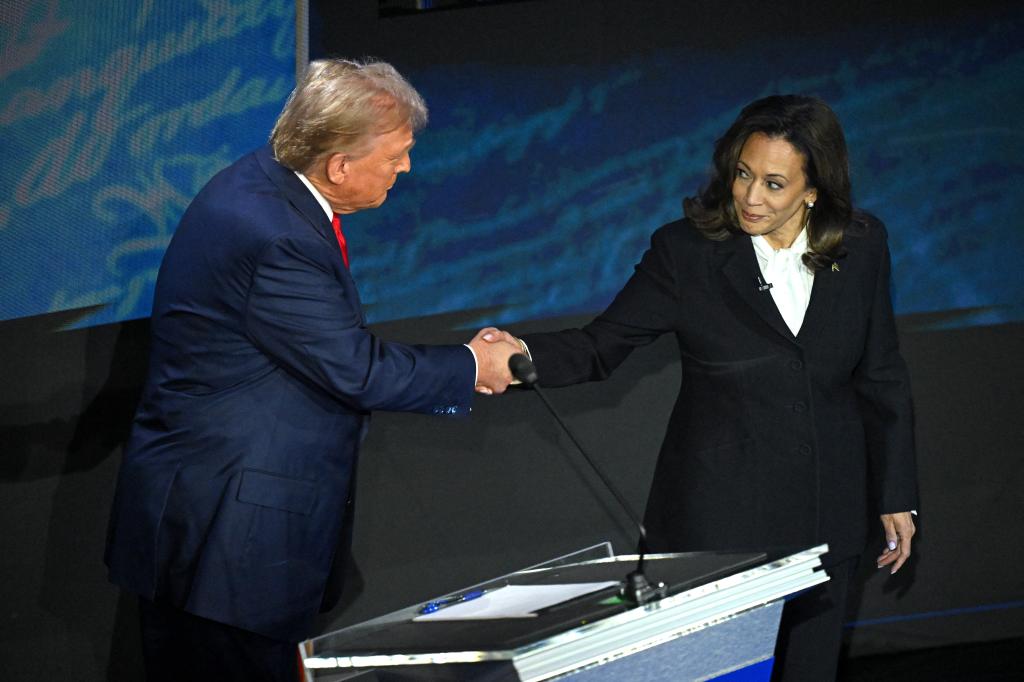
x,y
523,369
636,589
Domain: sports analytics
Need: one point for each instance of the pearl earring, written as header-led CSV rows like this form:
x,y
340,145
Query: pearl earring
x,y
810,204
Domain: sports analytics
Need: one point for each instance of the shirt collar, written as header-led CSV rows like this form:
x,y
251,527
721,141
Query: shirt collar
x,y
324,204
766,251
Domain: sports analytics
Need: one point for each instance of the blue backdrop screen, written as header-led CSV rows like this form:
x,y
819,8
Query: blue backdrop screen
x,y
535,187
113,113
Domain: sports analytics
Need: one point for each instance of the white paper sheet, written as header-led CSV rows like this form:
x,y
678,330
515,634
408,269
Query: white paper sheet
x,y
514,601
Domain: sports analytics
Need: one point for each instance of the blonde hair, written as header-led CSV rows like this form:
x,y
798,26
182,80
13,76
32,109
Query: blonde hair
x,y
339,106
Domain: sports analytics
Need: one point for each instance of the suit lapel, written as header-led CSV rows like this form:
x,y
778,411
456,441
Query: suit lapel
x,y
306,204
828,285
742,272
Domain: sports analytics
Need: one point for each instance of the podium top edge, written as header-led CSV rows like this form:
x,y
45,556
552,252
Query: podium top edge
x,y
809,554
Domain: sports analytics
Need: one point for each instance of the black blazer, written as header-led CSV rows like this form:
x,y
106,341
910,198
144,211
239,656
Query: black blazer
x,y
775,441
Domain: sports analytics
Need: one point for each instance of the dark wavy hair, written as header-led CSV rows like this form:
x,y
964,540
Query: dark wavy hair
x,y
813,129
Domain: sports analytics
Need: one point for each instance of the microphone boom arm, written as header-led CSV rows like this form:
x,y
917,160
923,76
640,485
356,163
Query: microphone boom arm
x,y
636,589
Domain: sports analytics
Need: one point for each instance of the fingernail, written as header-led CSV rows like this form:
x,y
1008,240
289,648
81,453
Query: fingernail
x,y
892,544
488,336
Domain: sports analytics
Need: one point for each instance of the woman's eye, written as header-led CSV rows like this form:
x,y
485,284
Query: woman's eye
x,y
773,185
740,173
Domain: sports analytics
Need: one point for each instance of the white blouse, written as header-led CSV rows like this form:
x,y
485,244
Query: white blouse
x,y
790,279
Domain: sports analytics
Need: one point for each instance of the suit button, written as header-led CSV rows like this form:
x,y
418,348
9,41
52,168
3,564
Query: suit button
x,y
796,365
799,407
805,449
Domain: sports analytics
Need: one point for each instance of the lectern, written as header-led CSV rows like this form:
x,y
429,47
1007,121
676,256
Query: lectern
x,y
718,621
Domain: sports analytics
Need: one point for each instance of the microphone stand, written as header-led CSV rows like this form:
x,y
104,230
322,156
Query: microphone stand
x,y
636,588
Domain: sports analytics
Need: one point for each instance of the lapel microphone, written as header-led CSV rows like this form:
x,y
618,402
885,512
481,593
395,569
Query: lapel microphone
x,y
762,285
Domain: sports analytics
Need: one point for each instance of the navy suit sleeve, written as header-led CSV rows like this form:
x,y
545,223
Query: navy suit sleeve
x,y
644,309
883,387
301,314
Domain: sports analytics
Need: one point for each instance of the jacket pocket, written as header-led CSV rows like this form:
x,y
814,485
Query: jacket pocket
x,y
277,492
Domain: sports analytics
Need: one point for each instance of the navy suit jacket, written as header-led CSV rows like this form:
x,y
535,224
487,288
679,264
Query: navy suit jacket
x,y
262,376
776,440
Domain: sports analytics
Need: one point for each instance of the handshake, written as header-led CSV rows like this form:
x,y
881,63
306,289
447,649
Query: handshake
x,y
493,347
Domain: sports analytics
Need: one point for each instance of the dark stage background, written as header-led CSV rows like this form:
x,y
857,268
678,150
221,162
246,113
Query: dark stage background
x,y
562,134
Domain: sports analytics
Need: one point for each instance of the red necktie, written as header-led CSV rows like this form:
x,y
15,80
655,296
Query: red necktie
x,y
336,223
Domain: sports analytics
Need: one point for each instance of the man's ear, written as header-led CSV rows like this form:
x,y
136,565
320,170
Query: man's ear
x,y
337,168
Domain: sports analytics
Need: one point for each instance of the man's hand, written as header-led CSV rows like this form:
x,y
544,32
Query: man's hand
x,y
493,348
899,529
493,335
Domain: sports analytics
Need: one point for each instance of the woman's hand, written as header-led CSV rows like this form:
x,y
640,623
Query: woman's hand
x,y
899,529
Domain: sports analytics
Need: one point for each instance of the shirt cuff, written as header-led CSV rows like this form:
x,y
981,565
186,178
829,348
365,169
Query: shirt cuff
x,y
476,364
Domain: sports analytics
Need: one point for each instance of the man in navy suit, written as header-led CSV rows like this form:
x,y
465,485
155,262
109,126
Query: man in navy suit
x,y
237,479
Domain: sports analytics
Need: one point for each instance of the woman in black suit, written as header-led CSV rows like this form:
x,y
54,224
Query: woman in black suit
x,y
795,401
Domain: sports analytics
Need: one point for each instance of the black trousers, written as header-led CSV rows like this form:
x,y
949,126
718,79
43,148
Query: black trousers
x,y
180,647
811,631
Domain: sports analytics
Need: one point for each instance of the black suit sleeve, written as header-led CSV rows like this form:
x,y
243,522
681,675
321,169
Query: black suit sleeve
x,y
883,389
644,309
